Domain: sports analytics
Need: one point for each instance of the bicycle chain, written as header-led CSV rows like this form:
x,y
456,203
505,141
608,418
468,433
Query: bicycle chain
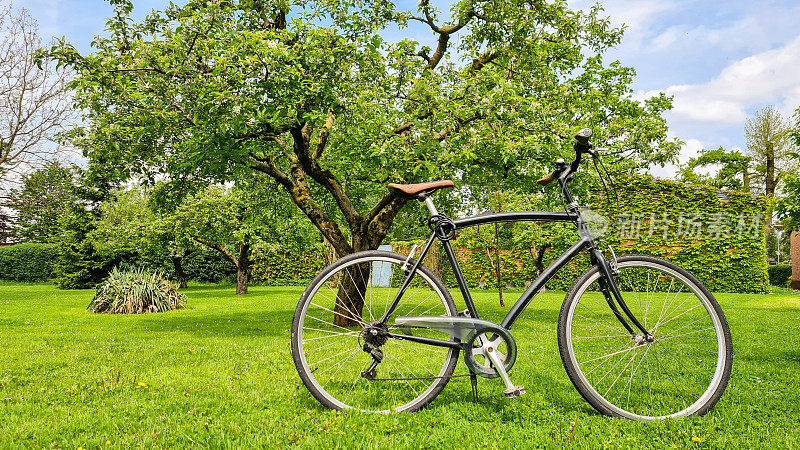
x,y
419,378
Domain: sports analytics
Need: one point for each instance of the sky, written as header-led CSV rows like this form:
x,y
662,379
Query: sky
x,y
721,60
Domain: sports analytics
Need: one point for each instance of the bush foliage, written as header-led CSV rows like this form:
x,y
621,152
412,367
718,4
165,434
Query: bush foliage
x,y
136,291
28,262
780,274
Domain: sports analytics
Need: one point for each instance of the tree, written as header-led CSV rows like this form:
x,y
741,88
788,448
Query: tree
x,y
34,105
534,238
80,265
332,111
769,144
788,205
233,221
734,169
7,233
130,224
44,198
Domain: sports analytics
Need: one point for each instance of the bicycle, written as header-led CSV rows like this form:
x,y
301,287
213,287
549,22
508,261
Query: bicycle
x,y
367,332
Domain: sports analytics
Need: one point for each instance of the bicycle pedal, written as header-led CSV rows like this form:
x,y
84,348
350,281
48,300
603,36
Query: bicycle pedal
x,y
514,392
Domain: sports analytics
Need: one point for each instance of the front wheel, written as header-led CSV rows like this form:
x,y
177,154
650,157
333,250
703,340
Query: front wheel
x,y
340,311
683,371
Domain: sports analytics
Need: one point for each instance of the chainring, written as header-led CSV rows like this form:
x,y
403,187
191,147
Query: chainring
x,y
475,351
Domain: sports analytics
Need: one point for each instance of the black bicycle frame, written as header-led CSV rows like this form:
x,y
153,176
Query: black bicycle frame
x,y
607,283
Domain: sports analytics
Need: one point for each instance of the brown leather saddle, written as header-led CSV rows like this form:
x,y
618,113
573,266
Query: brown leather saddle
x,y
420,190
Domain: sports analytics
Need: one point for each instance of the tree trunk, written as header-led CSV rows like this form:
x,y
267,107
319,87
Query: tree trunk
x,y
746,180
540,258
180,275
769,182
241,261
350,296
243,269
497,261
366,231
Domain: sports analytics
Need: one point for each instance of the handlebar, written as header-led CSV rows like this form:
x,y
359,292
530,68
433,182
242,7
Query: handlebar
x,y
562,171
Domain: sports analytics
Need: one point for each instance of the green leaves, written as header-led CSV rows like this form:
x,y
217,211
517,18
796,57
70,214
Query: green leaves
x,y
317,95
788,206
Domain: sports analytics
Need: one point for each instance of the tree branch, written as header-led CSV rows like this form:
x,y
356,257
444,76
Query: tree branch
x,y
297,188
487,57
302,137
380,220
323,137
218,247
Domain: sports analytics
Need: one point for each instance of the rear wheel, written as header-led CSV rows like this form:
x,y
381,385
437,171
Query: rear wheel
x,y
340,311
682,372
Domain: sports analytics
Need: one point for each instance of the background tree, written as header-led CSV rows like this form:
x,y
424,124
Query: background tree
x,y
234,220
497,240
733,170
131,225
34,105
7,232
80,265
44,198
331,111
770,146
788,205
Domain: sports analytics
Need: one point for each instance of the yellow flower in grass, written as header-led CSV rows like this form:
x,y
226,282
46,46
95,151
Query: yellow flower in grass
x,y
142,384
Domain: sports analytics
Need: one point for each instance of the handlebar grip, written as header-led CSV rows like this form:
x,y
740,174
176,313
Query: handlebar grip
x,y
583,136
546,179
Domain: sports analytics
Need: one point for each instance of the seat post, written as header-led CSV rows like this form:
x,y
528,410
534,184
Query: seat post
x,y
431,207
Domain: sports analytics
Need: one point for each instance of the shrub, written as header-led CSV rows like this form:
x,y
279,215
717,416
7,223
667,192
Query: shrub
x,y
779,274
136,291
209,266
28,262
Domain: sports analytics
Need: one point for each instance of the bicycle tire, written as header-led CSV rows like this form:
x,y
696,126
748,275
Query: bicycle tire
x,y
410,375
687,365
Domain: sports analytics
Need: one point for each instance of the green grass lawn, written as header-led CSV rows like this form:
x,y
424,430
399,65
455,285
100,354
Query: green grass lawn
x,y
219,373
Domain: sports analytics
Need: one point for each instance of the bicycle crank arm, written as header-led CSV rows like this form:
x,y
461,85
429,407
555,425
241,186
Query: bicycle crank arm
x,y
512,390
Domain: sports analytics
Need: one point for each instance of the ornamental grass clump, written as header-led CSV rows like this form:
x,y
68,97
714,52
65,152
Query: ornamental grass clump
x,y
136,291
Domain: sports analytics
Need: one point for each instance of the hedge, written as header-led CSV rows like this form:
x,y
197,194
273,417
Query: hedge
x,y
716,235
287,268
208,266
28,262
780,274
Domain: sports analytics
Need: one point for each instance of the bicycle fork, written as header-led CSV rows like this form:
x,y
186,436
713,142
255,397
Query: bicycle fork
x,y
612,294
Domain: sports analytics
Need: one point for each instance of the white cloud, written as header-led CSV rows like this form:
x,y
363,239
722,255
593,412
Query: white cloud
x,y
666,39
637,15
690,149
769,77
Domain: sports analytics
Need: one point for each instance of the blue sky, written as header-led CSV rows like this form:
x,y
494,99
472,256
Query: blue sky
x,y
722,61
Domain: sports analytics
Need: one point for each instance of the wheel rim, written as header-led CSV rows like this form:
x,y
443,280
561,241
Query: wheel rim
x,y
673,376
332,357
